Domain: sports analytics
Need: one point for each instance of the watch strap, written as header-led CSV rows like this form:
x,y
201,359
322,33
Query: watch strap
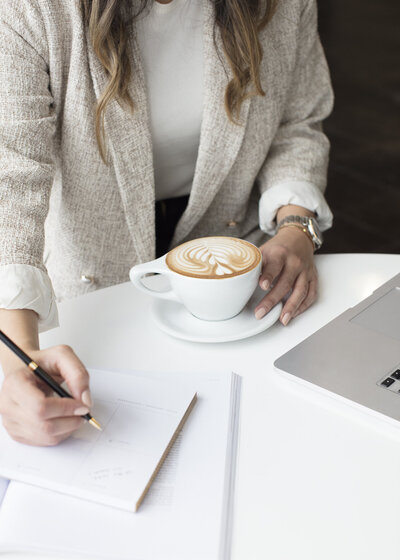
x,y
307,224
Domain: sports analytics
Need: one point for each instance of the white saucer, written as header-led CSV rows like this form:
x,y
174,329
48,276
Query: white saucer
x,y
172,318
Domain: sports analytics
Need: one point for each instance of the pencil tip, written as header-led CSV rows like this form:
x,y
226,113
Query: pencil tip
x,y
95,424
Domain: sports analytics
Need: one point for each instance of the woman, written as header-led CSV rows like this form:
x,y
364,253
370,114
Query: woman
x,y
101,106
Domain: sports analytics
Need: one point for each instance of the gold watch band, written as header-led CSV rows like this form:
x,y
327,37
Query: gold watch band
x,y
303,229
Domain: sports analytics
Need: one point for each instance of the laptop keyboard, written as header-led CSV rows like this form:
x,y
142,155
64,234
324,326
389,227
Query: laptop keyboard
x,y
391,380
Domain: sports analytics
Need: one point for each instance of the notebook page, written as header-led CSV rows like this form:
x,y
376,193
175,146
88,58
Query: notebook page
x,y
139,417
181,517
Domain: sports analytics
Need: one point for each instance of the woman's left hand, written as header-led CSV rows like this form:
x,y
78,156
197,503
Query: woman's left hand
x,y
288,270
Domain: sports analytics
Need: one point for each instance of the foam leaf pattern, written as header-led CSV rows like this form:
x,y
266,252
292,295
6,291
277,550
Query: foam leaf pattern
x,y
213,257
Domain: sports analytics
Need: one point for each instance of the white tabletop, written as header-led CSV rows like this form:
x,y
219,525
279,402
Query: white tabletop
x,y
316,479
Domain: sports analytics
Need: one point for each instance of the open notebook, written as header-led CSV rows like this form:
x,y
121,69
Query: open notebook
x,y
140,417
186,513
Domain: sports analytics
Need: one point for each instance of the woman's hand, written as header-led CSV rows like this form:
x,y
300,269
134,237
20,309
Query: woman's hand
x,y
31,413
288,270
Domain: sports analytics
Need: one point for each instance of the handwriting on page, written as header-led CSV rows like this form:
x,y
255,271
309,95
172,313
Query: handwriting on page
x,y
129,430
109,460
140,417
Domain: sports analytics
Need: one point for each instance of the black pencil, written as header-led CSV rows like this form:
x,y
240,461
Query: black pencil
x,y
37,370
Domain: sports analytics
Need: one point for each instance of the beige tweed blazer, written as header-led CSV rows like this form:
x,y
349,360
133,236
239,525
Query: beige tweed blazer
x,y
63,210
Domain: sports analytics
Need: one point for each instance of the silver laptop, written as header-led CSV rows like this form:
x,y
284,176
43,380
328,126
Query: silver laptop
x,y
357,355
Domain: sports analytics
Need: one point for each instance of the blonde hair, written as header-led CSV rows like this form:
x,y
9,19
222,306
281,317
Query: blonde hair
x,y
239,23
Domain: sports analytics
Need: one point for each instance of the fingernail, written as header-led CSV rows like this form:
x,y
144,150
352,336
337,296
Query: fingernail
x,y
286,318
260,313
81,411
86,398
265,285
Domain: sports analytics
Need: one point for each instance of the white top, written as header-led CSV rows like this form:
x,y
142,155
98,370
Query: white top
x,y
170,38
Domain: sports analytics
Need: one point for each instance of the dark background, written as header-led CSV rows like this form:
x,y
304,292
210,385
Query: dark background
x,y
361,39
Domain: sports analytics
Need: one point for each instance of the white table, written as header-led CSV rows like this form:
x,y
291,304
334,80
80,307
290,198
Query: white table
x,y
316,479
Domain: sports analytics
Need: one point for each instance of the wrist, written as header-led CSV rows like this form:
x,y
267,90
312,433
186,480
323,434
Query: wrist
x,y
293,210
299,231
21,325
307,225
294,237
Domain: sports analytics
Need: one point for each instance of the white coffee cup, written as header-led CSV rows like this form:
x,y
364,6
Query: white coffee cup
x,y
215,298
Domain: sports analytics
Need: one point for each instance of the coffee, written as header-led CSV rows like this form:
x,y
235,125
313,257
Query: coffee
x,y
213,257
213,277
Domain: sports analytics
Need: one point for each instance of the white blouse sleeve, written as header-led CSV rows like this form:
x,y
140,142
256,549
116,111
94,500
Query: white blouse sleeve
x,y
26,287
300,193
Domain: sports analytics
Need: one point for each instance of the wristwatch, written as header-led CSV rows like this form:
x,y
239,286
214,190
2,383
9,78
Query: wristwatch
x,y
307,224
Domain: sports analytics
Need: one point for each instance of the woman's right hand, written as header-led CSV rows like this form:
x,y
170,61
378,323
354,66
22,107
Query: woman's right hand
x,y
31,412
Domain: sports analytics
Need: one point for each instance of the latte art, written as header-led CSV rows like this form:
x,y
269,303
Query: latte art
x,y
213,257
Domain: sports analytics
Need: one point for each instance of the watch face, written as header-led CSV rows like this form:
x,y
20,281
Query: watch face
x,y
315,232
310,224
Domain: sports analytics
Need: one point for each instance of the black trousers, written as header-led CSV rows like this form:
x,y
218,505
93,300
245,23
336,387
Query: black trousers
x,y
168,213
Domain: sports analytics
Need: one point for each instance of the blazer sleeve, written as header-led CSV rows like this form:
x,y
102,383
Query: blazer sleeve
x,y
27,127
296,165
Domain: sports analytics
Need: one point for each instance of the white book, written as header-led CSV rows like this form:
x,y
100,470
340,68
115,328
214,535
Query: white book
x,y
186,513
140,418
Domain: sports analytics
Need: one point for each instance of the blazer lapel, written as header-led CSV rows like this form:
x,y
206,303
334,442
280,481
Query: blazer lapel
x,y
220,139
129,145
129,142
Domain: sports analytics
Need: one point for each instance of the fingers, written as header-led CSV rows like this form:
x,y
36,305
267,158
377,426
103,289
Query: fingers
x,y
290,273
303,295
33,415
309,300
32,436
63,361
20,387
54,407
273,266
289,269
23,389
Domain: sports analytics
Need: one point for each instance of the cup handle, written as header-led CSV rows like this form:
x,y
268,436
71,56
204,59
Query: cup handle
x,y
157,266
